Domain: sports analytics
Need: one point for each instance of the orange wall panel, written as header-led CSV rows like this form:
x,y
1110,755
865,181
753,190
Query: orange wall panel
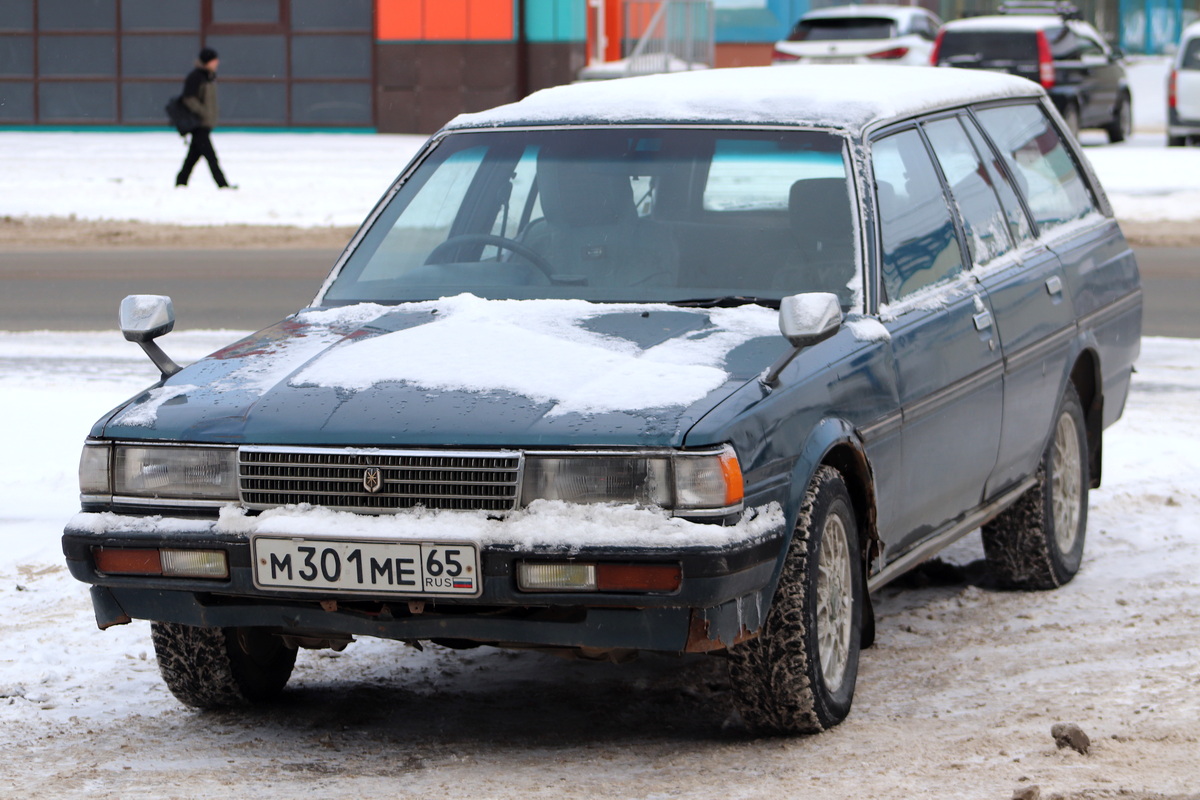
x,y
490,19
399,19
446,19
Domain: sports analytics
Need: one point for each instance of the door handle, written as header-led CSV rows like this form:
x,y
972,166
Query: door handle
x,y
1054,285
983,320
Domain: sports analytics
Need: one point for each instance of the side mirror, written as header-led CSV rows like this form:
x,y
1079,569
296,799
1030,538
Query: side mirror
x,y
145,317
805,320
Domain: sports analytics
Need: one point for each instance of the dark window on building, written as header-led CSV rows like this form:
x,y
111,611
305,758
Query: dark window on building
x,y
77,56
17,105
331,103
344,15
167,56
251,56
142,101
16,15
77,15
254,103
331,57
160,15
16,56
246,12
74,101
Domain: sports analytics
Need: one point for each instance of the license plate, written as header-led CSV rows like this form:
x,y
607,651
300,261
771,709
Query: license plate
x,y
348,566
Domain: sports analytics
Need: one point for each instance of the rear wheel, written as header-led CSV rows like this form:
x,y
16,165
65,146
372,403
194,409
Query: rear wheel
x,y
1038,542
798,675
221,667
1122,125
1176,141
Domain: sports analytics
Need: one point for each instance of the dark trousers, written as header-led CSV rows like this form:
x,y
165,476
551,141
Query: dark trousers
x,y
201,146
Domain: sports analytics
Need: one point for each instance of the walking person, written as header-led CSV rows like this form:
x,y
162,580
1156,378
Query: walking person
x,y
200,96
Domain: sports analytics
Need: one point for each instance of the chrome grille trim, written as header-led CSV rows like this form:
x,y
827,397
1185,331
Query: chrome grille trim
x,y
486,480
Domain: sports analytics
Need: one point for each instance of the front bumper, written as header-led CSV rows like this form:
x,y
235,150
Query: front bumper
x,y
724,593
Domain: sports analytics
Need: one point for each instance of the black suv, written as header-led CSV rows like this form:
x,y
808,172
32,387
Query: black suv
x,y
1050,44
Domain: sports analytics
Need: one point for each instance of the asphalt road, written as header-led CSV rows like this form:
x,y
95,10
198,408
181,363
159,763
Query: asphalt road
x,y
249,289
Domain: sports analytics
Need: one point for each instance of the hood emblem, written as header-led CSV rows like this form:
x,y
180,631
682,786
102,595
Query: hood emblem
x,y
372,479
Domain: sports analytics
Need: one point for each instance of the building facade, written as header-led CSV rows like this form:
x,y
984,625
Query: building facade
x,y
386,65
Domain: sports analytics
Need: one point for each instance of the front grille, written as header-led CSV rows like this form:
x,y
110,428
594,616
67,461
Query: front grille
x,y
342,479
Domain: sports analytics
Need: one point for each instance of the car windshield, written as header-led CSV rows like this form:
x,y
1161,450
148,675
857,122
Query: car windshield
x,y
843,28
635,215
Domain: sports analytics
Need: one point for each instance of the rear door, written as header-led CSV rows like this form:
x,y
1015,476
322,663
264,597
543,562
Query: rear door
x,y
1024,280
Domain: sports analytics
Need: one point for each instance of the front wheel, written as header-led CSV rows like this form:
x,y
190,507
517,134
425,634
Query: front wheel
x,y
221,667
798,674
1037,543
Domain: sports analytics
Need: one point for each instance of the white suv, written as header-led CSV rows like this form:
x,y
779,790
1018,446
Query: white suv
x,y
860,35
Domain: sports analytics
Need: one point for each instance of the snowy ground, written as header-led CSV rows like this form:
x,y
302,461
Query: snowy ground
x,y
955,700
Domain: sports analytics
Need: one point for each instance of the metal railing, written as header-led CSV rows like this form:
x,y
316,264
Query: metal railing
x,y
661,36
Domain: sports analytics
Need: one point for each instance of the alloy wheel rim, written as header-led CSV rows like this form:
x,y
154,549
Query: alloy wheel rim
x,y
834,603
1066,492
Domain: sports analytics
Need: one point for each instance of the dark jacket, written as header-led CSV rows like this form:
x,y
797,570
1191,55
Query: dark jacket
x,y
200,95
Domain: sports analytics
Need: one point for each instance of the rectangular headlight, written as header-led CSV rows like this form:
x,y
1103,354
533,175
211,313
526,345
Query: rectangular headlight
x,y
643,480
182,473
696,482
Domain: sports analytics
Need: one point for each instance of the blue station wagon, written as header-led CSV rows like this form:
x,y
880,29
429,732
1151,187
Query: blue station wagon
x,y
688,363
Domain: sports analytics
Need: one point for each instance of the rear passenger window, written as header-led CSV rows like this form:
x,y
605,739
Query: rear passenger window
x,y
971,186
1040,162
920,247
1018,222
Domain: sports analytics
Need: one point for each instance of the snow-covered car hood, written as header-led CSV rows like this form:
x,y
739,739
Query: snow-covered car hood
x,y
463,371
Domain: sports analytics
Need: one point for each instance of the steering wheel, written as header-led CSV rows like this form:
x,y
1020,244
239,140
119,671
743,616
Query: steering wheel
x,y
504,242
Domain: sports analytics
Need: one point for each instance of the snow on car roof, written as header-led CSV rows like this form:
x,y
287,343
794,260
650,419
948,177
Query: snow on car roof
x,y
872,11
845,96
1031,22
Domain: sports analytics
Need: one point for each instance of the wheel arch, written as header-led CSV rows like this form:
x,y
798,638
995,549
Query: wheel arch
x,y
834,443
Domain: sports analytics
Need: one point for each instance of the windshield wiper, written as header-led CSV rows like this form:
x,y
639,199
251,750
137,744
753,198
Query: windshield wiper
x,y
728,301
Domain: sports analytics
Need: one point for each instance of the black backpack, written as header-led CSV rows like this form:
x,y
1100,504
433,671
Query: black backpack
x,y
183,118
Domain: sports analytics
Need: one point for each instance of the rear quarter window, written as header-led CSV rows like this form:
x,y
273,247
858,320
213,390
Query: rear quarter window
x,y
1040,162
1191,54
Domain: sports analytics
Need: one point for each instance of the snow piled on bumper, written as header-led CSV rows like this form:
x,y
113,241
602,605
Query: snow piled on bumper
x,y
544,524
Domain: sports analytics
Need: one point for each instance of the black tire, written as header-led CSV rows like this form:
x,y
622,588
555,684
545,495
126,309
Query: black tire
x,y
1122,125
798,674
221,667
1177,141
1038,542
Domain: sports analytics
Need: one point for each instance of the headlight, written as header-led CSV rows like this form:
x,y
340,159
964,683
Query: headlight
x,y
93,469
175,473
706,482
